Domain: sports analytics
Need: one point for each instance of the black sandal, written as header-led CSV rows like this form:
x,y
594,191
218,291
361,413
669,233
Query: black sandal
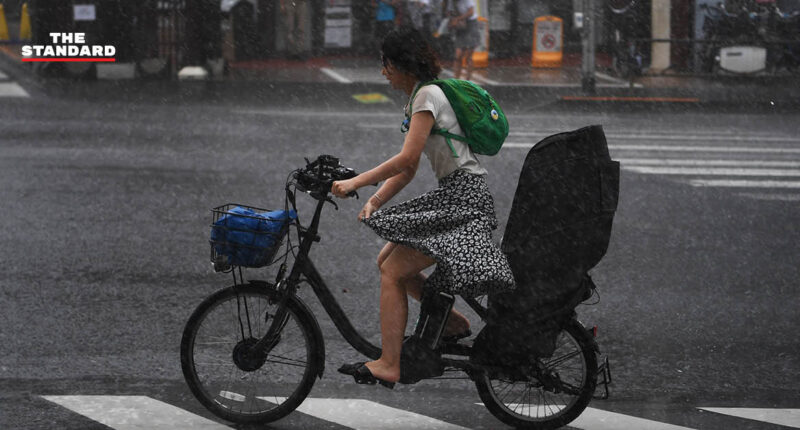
x,y
362,375
453,338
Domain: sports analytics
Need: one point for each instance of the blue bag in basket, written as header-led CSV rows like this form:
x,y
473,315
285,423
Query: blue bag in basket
x,y
246,237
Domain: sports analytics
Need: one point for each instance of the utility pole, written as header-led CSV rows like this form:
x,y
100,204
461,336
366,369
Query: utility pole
x,y
588,47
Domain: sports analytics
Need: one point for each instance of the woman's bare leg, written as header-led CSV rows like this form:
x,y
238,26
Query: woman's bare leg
x,y
468,56
403,263
456,322
457,63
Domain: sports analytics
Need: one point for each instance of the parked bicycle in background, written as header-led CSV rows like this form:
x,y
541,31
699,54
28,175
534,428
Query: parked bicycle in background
x,y
761,39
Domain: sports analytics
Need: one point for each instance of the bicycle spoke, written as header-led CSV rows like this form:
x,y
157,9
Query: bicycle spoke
x,y
292,361
244,316
551,388
562,359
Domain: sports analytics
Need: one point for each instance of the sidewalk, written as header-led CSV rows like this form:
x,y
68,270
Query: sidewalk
x,y
504,78
516,76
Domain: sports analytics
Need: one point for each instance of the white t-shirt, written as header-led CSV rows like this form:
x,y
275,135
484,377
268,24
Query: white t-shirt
x,y
462,6
431,98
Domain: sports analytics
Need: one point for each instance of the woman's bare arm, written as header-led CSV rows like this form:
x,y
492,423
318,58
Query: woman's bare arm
x,y
405,163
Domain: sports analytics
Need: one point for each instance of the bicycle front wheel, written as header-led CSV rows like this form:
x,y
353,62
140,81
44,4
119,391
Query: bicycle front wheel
x,y
233,384
549,393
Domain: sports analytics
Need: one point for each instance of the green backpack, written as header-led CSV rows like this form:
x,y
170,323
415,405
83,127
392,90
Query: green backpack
x,y
480,117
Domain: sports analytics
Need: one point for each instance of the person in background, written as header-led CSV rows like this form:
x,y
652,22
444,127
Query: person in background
x,y
385,14
296,14
464,25
420,14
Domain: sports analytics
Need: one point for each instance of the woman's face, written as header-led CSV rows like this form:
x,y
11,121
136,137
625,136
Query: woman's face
x,y
396,78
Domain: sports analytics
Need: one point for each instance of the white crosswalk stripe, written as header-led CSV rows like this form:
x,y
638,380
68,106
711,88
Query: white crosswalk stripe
x,y
783,417
134,413
729,183
366,415
12,89
713,171
141,412
708,159
597,419
9,88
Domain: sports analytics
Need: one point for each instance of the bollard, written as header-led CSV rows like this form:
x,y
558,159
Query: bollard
x,y
480,58
25,32
3,26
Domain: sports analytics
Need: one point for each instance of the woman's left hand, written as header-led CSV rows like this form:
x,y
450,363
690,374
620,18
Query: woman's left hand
x,y
341,189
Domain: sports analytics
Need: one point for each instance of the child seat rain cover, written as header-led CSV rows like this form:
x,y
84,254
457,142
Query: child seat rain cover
x,y
558,228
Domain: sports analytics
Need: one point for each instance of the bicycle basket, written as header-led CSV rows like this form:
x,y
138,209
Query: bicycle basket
x,y
247,236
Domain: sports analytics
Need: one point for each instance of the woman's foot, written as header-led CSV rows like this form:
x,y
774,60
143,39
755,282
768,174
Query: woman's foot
x,y
363,375
383,372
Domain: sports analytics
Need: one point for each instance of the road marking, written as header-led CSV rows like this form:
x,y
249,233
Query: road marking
x,y
366,415
134,413
678,148
712,171
486,80
475,77
12,89
681,137
784,417
335,75
772,197
733,183
712,135
611,78
688,162
631,99
598,419
307,114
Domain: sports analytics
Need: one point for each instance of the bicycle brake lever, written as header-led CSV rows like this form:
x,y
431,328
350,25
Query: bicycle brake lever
x,y
330,200
353,194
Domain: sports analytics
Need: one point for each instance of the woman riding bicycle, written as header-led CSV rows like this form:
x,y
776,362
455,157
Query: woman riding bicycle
x,y
449,226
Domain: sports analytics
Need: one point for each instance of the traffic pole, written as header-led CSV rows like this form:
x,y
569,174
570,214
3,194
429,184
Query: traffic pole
x,y
588,45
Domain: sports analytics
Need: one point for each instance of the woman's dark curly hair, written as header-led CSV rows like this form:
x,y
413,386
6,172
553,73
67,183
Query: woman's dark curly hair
x,y
408,50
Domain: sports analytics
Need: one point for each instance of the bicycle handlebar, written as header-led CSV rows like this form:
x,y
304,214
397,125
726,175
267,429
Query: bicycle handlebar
x,y
318,176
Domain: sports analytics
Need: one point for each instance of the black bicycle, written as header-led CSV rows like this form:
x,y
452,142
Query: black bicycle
x,y
251,352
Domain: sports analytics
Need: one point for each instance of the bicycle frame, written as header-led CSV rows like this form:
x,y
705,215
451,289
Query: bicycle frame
x,y
304,270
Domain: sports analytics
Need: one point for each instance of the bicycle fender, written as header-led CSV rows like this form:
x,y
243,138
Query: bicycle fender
x,y
589,336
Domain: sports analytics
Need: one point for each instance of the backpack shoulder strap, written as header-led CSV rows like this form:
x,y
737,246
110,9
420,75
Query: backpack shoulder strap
x,y
416,90
440,131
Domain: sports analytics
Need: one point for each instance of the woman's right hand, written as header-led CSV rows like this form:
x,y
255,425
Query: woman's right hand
x,y
368,209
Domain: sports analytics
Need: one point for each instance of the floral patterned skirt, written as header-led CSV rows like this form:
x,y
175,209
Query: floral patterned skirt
x,y
451,224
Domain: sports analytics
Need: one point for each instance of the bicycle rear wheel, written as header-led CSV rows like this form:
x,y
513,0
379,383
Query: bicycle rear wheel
x,y
240,388
549,393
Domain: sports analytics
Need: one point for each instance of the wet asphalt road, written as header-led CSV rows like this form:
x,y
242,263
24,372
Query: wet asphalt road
x,y
106,204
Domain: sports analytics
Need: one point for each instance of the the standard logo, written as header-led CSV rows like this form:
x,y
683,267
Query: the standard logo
x,y
68,47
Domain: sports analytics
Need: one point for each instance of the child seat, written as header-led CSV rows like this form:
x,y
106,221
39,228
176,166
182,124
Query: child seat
x,y
558,228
